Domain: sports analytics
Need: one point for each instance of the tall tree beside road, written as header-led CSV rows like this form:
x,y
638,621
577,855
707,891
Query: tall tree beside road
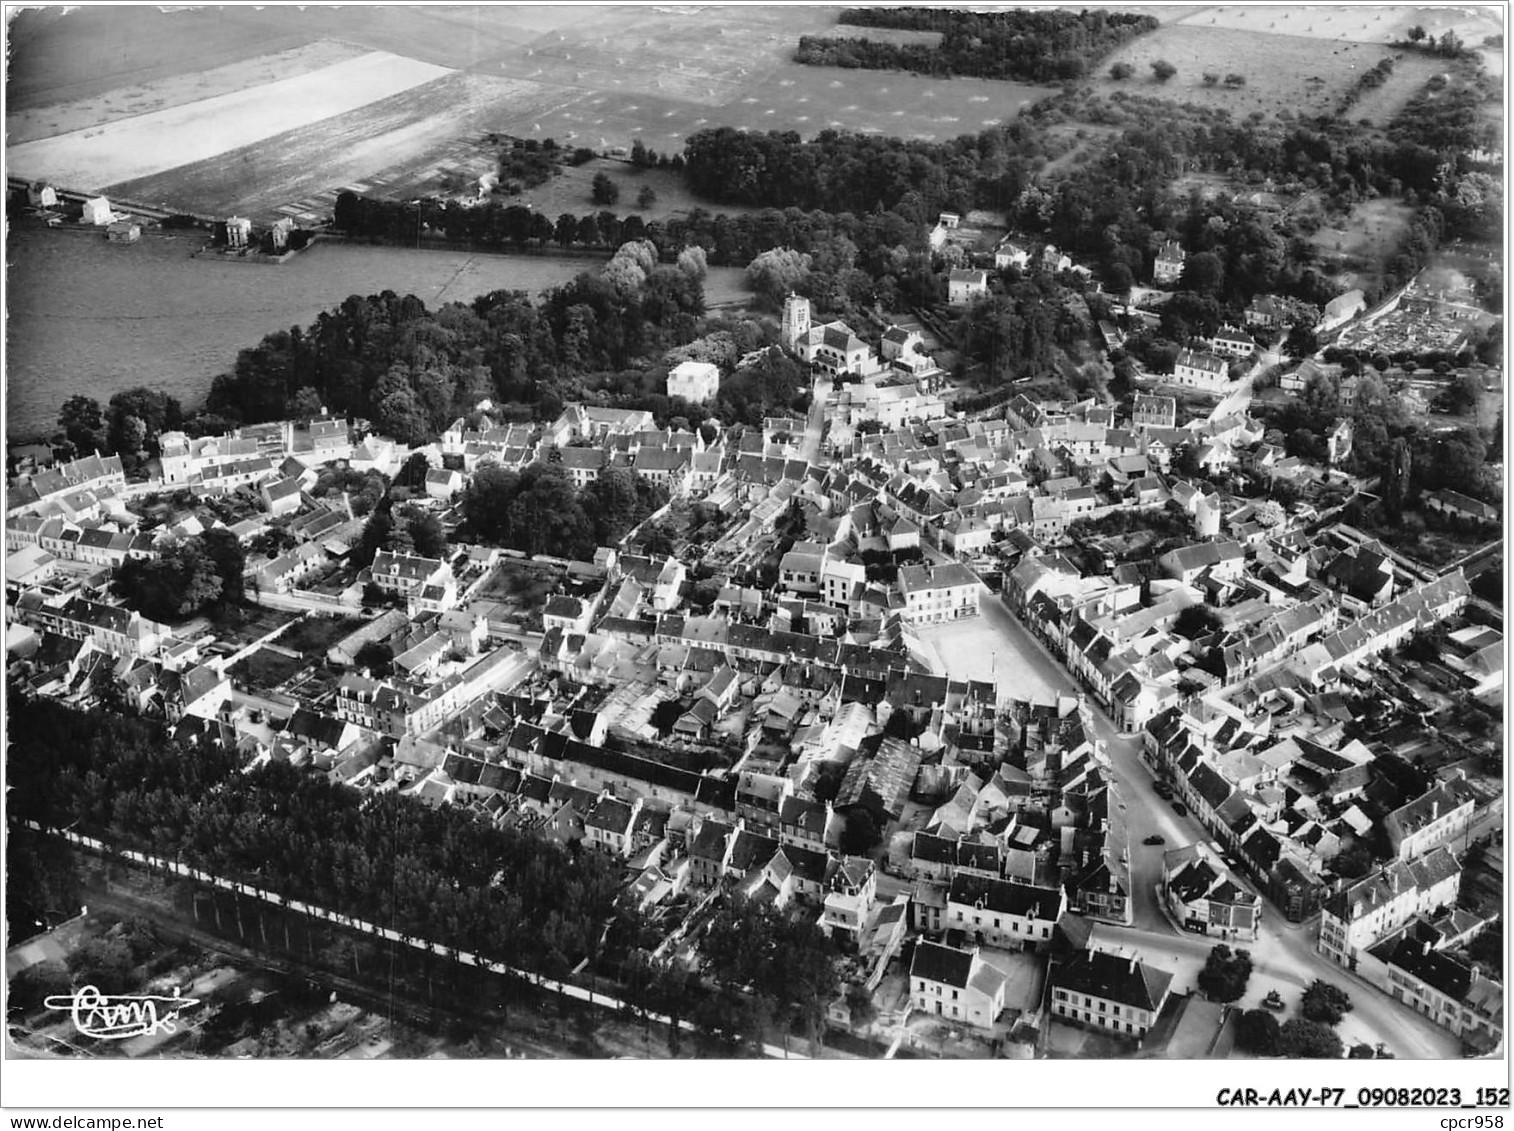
x,y
1301,1038
1325,1003
1225,974
1257,1031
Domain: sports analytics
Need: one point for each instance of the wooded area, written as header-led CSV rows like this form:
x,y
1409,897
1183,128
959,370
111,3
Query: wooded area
x,y
1025,45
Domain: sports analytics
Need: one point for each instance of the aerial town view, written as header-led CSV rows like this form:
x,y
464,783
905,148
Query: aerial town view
x,y
669,532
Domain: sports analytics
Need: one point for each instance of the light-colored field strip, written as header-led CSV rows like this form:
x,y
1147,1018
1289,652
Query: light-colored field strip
x,y
60,118
166,139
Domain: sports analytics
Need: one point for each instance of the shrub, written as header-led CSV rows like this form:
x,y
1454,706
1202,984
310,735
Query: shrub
x,y
1309,1039
1225,973
1325,1003
1163,70
1121,71
1258,1031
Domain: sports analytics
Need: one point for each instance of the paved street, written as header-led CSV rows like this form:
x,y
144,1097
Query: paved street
x,y
1284,953
814,427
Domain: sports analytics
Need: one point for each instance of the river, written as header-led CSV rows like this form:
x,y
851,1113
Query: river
x,y
89,316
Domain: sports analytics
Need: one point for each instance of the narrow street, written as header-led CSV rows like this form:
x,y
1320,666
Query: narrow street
x,y
814,428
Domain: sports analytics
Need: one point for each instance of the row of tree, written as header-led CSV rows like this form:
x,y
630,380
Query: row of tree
x,y
1024,45
440,874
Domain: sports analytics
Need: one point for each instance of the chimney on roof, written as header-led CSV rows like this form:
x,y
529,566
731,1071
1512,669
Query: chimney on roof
x,y
1132,963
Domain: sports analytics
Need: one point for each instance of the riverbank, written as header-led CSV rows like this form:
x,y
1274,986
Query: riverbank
x,y
91,317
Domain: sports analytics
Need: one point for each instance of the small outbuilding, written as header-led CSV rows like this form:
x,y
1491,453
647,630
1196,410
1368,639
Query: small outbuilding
x,y
97,212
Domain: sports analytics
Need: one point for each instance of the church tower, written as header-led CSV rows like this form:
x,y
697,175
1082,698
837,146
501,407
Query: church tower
x,y
796,321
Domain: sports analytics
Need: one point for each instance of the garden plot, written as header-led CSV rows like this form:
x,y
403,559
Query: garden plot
x,y
166,139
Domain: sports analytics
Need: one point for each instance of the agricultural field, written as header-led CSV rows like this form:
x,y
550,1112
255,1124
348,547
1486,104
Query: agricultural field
x,y
132,148
59,55
1355,23
303,107
23,125
408,130
1302,73
705,57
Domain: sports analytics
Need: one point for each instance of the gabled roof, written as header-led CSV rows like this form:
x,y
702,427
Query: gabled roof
x,y
1006,898
945,964
1111,978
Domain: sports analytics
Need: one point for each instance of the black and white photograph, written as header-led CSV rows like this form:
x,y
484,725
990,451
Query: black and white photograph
x,y
754,534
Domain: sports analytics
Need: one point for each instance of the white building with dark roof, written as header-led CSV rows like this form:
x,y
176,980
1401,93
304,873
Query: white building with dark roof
x,y
934,594
1203,371
1105,991
955,985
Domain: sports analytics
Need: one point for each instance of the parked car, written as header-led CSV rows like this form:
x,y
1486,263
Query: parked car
x,y
1180,809
1155,838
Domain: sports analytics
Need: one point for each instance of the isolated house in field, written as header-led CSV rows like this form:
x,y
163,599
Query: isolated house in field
x,y
280,232
238,231
40,194
96,212
123,231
